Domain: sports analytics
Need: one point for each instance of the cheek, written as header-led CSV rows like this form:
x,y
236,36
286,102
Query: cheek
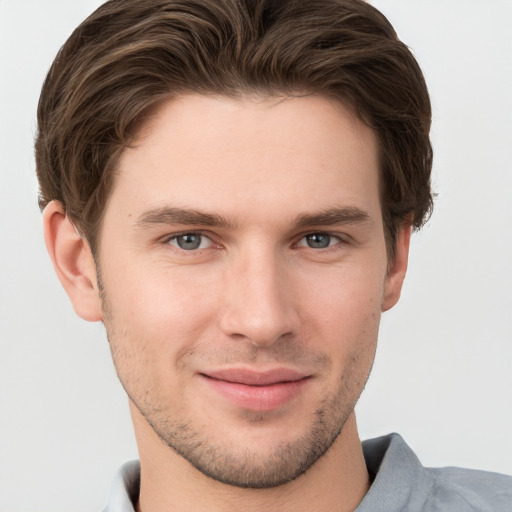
x,y
348,299
342,318
353,336
153,320
159,299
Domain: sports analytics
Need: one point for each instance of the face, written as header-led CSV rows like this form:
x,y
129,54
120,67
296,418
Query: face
x,y
243,273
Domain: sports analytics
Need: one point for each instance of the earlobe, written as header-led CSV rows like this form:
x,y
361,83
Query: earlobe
x,y
73,262
397,269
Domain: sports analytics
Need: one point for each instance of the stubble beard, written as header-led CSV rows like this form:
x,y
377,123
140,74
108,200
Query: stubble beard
x,y
244,466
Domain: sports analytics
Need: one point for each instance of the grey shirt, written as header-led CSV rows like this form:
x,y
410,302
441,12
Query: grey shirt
x,y
399,483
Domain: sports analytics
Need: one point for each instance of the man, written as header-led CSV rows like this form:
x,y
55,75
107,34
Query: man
x,y
231,187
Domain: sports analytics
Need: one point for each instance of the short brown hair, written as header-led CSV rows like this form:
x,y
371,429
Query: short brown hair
x,y
129,55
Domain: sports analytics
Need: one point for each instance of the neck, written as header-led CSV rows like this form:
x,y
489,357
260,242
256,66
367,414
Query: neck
x,y
337,482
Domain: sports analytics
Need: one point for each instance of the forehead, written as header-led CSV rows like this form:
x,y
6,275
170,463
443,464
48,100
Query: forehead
x,y
265,155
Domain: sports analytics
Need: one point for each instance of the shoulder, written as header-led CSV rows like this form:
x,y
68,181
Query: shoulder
x,y
401,482
471,489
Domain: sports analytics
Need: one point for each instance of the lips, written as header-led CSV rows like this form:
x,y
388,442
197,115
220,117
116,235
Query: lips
x,y
257,391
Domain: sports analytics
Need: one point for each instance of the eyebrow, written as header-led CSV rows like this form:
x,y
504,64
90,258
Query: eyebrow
x,y
172,215
333,216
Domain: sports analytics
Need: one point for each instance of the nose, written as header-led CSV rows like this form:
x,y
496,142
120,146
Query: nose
x,y
258,300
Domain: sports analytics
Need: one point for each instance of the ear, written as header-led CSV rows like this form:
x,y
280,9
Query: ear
x,y
73,262
397,269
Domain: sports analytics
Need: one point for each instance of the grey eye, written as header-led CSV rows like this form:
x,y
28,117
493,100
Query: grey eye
x,y
318,240
188,241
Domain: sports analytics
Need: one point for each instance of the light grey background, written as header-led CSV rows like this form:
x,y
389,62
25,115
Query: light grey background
x,y
442,377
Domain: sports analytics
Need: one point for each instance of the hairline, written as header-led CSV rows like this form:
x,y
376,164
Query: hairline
x,y
142,125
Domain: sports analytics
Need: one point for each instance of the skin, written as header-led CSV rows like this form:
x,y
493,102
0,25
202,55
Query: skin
x,y
275,284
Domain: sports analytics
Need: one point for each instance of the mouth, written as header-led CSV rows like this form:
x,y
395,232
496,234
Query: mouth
x,y
257,391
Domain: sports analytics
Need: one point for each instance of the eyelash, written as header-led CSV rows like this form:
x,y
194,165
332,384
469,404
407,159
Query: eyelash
x,y
176,236
339,240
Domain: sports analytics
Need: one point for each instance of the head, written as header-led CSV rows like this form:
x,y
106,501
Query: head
x,y
130,56
242,182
